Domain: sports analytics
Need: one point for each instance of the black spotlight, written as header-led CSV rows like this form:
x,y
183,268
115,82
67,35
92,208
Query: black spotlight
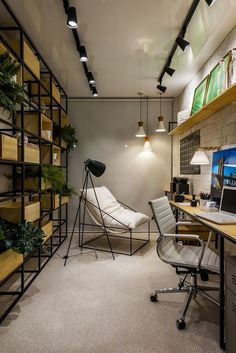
x,y
182,43
169,70
95,167
94,92
72,18
210,2
161,88
90,77
83,54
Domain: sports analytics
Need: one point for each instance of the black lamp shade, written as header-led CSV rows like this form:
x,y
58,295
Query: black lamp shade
x,y
161,88
72,18
182,43
95,167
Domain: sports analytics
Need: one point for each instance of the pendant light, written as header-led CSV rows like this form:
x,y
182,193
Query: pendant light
x,y
147,146
140,132
160,124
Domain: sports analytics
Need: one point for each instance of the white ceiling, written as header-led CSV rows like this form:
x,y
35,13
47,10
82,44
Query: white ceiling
x,y
127,41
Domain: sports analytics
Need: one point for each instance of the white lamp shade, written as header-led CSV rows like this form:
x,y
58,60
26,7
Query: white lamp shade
x,y
199,158
160,125
147,146
140,132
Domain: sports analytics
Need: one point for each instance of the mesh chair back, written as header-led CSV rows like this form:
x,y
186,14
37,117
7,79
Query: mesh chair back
x,y
163,215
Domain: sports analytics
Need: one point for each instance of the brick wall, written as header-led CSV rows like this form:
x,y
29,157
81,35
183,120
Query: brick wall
x,y
218,130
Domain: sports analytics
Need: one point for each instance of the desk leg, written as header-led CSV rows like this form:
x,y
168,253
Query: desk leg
x,y
222,294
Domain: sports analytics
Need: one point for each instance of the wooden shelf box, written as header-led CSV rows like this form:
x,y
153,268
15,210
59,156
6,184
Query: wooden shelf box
x,y
11,211
8,147
31,124
9,262
47,228
46,200
64,200
56,156
31,153
64,118
31,60
32,183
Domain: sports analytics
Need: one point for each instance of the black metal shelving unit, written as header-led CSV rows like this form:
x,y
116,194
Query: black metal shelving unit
x,y
12,38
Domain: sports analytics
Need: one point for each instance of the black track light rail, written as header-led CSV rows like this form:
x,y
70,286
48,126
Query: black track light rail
x,y
75,33
181,34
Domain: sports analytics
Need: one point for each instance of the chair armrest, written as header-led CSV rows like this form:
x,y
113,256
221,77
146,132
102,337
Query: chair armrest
x,y
188,223
190,236
130,208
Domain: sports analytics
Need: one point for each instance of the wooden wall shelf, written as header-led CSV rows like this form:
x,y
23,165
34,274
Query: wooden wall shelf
x,y
31,60
47,228
208,110
31,154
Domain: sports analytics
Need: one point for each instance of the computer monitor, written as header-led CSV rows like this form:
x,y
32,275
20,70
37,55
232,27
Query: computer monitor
x,y
223,171
228,200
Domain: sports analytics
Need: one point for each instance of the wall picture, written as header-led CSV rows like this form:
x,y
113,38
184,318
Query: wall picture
x,y
217,80
199,96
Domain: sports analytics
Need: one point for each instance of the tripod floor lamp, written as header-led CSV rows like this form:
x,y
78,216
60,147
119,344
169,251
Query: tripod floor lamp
x,y
97,169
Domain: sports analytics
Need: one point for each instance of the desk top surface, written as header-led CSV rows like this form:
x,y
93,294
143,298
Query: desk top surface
x,y
228,230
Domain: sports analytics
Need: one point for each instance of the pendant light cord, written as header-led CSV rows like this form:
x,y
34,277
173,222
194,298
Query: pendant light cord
x,y
160,104
147,116
140,107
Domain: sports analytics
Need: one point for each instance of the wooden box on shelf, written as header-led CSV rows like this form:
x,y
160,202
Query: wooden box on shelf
x,y
55,91
31,124
56,155
47,228
3,49
31,60
64,118
46,200
31,183
63,144
64,200
8,147
31,153
11,211
9,262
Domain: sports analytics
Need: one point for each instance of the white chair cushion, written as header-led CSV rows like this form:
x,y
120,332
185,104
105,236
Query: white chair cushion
x,y
123,217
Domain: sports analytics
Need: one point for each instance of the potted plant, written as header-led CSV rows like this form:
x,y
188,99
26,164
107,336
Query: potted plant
x,y
68,134
11,93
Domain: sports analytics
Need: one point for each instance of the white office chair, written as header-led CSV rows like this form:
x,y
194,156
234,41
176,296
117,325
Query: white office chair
x,y
193,258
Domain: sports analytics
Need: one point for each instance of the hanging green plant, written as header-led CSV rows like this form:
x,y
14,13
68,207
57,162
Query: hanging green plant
x,y
54,175
22,238
67,190
68,134
11,93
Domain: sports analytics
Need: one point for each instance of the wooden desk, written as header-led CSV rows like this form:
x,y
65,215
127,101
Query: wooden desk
x,y
224,232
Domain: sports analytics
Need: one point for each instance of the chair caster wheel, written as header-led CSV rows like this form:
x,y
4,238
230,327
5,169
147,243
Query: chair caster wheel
x,y
154,298
180,324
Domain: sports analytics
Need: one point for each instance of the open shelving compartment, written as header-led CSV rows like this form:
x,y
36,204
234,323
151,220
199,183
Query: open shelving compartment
x,y
34,122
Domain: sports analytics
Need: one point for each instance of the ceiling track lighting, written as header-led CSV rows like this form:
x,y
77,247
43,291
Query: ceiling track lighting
x,y
161,88
169,70
72,17
72,23
83,54
180,41
210,2
90,78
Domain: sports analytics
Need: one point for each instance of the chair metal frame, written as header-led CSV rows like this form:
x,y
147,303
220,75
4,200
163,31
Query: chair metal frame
x,y
184,286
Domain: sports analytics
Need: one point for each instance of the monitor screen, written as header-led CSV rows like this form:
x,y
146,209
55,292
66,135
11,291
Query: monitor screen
x,y
223,171
228,202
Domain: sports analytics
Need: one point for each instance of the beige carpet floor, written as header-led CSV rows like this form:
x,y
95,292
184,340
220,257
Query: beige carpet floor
x,y
97,305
